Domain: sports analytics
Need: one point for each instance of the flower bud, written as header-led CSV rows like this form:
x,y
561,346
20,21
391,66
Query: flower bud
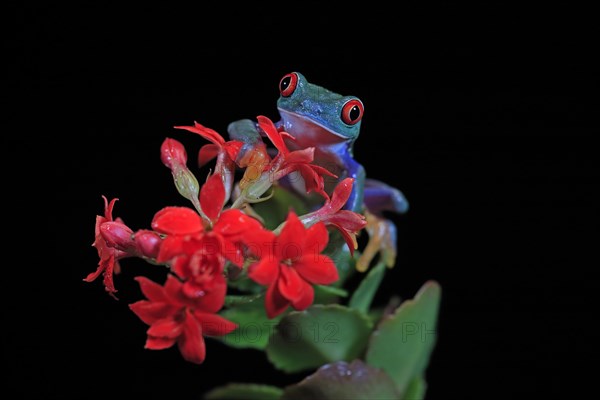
x,y
148,243
117,235
174,156
186,184
172,153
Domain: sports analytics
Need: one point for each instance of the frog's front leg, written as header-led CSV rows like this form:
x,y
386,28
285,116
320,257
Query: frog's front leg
x,y
253,154
357,171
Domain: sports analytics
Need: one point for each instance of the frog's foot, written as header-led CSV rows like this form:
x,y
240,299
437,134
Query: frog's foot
x,y
382,241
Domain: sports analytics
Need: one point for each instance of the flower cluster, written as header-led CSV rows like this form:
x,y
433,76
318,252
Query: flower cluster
x,y
221,236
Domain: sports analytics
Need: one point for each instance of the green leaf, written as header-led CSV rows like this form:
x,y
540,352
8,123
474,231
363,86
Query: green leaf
x,y
328,294
416,389
342,380
245,284
275,210
332,290
254,327
365,292
244,391
321,334
403,342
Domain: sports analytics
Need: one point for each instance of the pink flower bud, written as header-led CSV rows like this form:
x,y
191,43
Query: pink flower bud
x,y
172,153
148,243
117,235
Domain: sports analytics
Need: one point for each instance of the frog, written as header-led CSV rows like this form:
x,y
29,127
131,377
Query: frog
x,y
331,123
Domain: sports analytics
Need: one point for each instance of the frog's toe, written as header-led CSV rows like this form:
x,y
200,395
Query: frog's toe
x,y
382,242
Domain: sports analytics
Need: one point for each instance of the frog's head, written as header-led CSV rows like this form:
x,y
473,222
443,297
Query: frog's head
x,y
301,103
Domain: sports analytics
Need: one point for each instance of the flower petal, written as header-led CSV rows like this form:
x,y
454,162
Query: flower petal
x,y
214,324
234,222
233,147
316,240
341,193
322,171
150,312
93,275
109,284
152,290
265,271
348,220
159,343
349,238
191,343
260,243
171,247
214,298
165,328
177,221
312,180
272,133
173,289
290,284
307,298
108,208
317,268
304,156
206,133
275,303
207,153
290,242
212,196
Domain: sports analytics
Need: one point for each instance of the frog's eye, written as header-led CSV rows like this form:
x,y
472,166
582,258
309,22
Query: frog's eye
x,y
288,84
352,112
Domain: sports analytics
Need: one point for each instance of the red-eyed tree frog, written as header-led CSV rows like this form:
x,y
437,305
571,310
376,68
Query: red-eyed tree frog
x,y
330,122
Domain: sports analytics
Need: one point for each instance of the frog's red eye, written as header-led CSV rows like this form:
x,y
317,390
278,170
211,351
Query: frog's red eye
x,y
288,84
352,111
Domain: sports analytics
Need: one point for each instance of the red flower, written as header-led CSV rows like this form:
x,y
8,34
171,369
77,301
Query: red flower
x,y
290,263
197,248
175,318
347,222
225,151
219,144
109,256
288,161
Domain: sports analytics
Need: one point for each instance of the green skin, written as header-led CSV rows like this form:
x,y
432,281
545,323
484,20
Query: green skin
x,y
312,115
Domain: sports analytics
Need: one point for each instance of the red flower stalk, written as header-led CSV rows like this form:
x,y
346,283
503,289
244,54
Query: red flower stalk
x,y
109,256
175,318
349,223
197,247
226,153
290,263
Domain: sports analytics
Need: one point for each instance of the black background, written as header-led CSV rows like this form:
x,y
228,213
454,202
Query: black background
x,y
484,122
